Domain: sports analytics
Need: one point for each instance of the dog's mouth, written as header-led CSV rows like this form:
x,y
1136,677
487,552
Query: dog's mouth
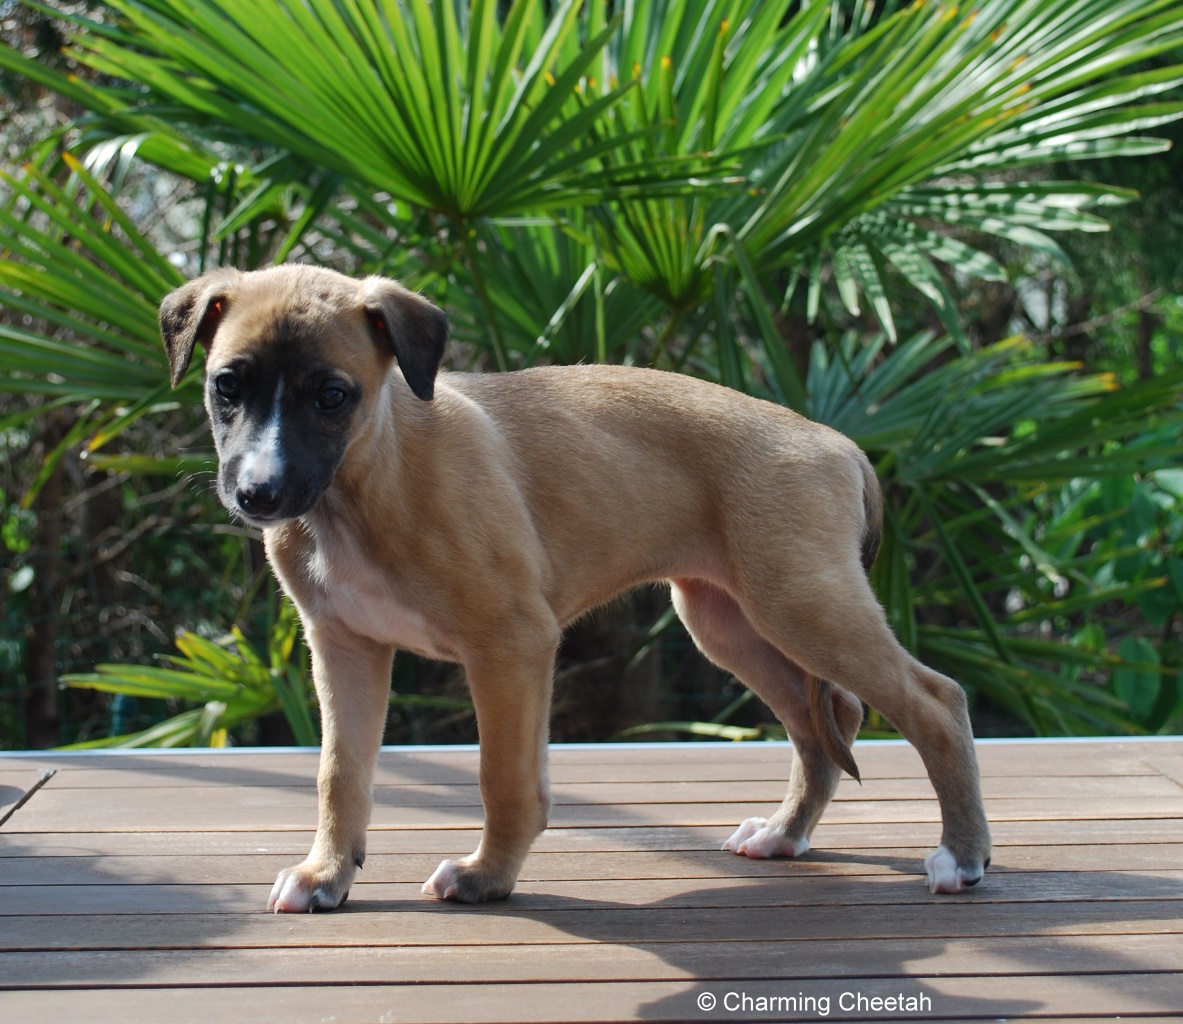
x,y
267,520
259,519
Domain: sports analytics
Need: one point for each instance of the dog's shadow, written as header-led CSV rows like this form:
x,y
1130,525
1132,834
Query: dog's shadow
x,y
819,940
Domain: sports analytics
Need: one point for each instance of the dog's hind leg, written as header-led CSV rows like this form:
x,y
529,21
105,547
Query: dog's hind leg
x,y
511,689
725,635
838,631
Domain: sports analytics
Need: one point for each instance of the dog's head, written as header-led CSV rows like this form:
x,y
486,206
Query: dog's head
x,y
296,361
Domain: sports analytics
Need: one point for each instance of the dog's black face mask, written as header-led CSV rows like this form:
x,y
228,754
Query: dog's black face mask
x,y
281,420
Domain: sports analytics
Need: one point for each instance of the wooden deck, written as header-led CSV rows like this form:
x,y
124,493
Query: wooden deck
x,y
132,889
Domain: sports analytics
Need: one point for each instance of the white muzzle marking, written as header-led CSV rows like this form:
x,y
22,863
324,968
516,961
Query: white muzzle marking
x,y
264,461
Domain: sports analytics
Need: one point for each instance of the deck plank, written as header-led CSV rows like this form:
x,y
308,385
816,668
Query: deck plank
x,y
608,763
295,840
421,924
57,808
131,888
600,961
560,865
786,890
464,791
673,1001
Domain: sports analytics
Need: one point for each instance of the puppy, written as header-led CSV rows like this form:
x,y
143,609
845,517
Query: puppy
x,y
470,518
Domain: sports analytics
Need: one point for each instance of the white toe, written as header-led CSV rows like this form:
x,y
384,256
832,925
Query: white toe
x,y
769,843
944,874
442,885
756,840
295,894
745,831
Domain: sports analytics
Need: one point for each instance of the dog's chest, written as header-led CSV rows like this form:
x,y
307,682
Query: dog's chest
x,y
351,590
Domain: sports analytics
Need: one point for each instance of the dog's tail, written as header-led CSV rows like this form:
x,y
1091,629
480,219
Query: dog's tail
x,y
825,724
872,513
822,696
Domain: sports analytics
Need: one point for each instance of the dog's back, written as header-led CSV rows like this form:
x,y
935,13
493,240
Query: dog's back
x,y
685,465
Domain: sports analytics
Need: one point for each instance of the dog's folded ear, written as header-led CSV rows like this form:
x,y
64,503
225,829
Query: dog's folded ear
x,y
406,324
190,315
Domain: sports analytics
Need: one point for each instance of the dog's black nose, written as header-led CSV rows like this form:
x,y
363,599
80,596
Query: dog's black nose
x,y
258,498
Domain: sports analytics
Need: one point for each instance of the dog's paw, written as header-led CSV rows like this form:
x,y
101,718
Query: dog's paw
x,y
308,887
756,840
466,883
945,874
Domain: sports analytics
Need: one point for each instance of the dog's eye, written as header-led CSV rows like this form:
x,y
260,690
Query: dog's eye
x,y
227,385
331,397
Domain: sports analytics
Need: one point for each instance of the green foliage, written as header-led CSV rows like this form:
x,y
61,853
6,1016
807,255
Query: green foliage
x,y
233,684
671,185
1132,530
231,681
854,139
964,452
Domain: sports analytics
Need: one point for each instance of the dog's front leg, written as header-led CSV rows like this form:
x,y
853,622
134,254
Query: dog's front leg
x,y
512,698
352,677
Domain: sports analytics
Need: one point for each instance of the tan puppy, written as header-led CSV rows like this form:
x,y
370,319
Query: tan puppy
x,y
471,518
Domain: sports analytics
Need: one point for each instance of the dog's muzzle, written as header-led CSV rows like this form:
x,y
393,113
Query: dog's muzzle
x,y
266,499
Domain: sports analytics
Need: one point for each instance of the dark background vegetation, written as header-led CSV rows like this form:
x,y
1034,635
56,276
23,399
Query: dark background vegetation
x,y
1064,593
